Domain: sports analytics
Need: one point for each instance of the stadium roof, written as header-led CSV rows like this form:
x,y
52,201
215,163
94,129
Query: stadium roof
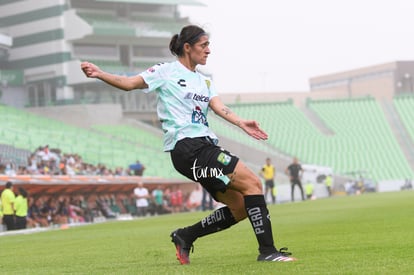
x,y
159,2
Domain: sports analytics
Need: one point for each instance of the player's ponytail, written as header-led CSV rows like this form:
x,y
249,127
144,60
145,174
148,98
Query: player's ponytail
x,y
175,45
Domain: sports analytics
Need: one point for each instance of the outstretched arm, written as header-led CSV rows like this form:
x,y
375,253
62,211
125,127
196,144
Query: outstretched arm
x,y
251,127
126,83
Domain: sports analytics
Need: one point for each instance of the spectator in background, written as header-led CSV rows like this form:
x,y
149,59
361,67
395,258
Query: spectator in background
x,y
35,214
32,164
76,213
194,200
141,195
176,199
7,202
62,213
21,207
294,170
206,201
10,169
158,199
137,168
70,168
119,171
52,207
42,153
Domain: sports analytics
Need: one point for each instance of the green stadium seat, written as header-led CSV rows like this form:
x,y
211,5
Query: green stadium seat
x,y
362,138
119,149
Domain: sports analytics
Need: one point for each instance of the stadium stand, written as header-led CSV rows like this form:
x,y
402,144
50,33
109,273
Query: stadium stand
x,y
405,108
24,130
362,141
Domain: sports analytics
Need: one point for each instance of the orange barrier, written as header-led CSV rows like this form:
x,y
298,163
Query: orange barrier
x,y
72,185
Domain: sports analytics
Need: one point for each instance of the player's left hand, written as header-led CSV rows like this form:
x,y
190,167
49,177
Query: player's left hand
x,y
251,127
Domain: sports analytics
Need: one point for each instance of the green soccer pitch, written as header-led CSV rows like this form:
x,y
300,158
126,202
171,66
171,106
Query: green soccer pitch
x,y
366,234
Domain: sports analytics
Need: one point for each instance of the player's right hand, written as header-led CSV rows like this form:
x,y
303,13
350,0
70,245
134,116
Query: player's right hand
x,y
90,69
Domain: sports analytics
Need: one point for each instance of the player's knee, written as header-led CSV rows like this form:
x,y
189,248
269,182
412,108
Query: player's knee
x,y
256,185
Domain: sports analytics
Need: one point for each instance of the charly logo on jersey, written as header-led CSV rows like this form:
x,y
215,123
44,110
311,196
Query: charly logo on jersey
x,y
182,83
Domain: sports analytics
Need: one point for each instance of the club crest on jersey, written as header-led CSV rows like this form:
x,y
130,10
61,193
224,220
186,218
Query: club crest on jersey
x,y
198,116
208,83
224,158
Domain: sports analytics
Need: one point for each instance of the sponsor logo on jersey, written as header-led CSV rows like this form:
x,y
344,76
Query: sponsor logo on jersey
x,y
197,97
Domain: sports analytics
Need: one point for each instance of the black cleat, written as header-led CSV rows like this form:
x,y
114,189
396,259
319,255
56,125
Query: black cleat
x,y
182,247
280,256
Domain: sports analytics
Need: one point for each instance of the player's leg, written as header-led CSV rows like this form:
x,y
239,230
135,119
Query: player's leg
x,y
243,198
267,189
243,195
220,219
301,189
249,186
272,191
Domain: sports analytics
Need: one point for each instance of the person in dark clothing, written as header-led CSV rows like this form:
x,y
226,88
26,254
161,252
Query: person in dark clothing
x,y
294,170
137,168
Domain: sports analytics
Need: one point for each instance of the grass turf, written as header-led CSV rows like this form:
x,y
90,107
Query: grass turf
x,y
367,234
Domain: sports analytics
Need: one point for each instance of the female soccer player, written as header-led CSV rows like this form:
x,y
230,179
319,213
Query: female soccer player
x,y
184,97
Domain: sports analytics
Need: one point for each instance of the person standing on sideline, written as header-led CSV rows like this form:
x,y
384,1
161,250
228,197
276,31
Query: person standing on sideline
x,y
309,190
21,206
1,216
7,201
294,171
141,195
184,98
268,173
328,184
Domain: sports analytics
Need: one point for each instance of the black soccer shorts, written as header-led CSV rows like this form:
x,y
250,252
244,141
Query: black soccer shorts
x,y
200,160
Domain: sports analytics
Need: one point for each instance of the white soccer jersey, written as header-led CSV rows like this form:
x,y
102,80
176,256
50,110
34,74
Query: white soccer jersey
x,y
183,98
